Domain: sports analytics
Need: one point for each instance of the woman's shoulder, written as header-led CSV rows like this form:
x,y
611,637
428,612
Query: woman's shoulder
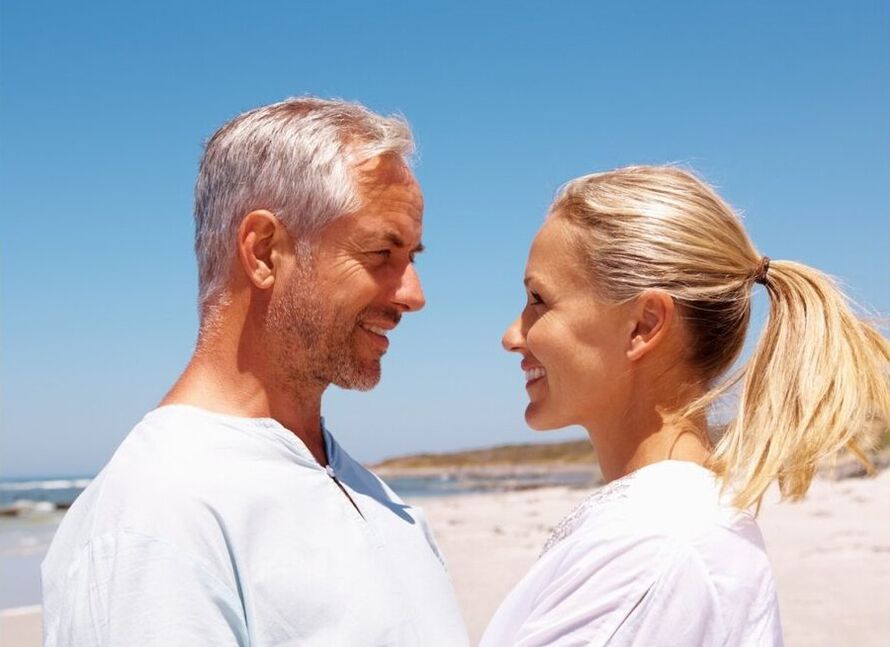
x,y
638,554
665,504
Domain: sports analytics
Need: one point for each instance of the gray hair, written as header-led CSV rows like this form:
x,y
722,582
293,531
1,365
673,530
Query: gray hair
x,y
293,158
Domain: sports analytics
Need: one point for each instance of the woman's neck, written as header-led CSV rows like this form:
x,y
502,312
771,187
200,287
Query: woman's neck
x,y
649,433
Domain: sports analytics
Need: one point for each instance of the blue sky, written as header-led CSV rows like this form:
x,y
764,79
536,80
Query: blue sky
x,y
103,110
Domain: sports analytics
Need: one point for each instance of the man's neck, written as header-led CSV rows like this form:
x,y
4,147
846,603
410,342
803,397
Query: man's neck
x,y
216,383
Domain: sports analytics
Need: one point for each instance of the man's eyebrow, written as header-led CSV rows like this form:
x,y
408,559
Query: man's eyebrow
x,y
398,241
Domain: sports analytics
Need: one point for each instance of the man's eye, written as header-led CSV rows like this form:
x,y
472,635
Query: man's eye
x,y
534,298
381,253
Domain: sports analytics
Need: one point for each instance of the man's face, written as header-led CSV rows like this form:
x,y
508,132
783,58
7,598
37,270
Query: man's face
x,y
333,313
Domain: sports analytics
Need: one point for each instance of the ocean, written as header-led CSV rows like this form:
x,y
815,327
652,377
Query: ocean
x,y
24,496
32,508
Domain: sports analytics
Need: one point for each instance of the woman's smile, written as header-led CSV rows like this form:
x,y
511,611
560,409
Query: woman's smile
x,y
533,371
533,375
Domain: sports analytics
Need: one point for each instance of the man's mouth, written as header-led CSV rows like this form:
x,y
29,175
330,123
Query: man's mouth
x,y
377,330
377,335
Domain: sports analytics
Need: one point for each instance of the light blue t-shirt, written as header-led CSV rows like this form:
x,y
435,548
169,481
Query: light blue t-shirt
x,y
206,529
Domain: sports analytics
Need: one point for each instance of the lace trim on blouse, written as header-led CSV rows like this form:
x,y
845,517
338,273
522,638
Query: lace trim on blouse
x,y
613,491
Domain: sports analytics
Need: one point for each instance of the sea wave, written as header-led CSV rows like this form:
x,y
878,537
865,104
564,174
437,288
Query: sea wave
x,y
28,496
54,484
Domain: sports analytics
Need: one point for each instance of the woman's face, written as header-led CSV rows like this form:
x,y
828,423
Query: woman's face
x,y
573,347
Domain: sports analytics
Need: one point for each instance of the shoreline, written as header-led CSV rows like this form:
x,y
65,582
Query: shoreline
x,y
493,469
469,471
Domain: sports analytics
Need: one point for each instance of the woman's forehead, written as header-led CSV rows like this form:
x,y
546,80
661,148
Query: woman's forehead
x,y
553,256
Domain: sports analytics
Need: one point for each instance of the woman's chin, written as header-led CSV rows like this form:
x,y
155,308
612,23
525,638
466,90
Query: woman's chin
x,y
536,418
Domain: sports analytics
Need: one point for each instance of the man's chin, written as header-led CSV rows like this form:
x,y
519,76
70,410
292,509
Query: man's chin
x,y
362,378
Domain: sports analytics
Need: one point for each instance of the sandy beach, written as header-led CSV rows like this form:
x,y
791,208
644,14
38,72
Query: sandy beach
x,y
830,554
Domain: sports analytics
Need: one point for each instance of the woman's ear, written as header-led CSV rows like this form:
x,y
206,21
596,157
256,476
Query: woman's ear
x,y
653,313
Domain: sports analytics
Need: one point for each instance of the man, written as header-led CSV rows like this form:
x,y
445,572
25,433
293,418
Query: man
x,y
229,515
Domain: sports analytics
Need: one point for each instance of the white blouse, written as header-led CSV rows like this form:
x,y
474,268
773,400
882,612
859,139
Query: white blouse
x,y
657,557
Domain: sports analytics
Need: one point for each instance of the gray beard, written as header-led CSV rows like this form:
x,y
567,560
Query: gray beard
x,y
313,345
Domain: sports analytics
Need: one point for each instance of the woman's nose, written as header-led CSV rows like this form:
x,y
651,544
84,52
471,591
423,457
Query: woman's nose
x,y
513,339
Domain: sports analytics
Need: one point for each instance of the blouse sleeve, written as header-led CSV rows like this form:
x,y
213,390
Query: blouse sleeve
x,y
682,608
719,592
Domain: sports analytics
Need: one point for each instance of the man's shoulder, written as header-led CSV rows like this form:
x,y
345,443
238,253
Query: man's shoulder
x,y
154,479
157,462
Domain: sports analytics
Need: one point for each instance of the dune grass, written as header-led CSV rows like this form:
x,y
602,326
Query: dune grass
x,y
576,452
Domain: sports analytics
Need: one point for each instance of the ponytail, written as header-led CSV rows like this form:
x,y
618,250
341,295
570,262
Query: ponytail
x,y
817,383
818,380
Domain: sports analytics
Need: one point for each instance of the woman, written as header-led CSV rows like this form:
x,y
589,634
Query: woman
x,y
639,296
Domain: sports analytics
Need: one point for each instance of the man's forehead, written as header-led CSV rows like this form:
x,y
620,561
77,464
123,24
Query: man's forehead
x,y
385,169
391,191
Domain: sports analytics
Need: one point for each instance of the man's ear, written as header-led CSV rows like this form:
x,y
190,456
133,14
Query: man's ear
x,y
260,235
653,313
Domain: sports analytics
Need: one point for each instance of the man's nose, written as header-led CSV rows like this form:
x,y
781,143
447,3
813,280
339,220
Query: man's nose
x,y
513,339
409,294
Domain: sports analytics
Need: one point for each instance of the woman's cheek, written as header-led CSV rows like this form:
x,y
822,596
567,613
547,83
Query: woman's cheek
x,y
537,340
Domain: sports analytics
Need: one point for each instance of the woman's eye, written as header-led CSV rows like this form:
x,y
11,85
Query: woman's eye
x,y
534,298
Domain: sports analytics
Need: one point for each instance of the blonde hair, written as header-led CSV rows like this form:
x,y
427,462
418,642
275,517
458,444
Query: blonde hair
x,y
818,379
